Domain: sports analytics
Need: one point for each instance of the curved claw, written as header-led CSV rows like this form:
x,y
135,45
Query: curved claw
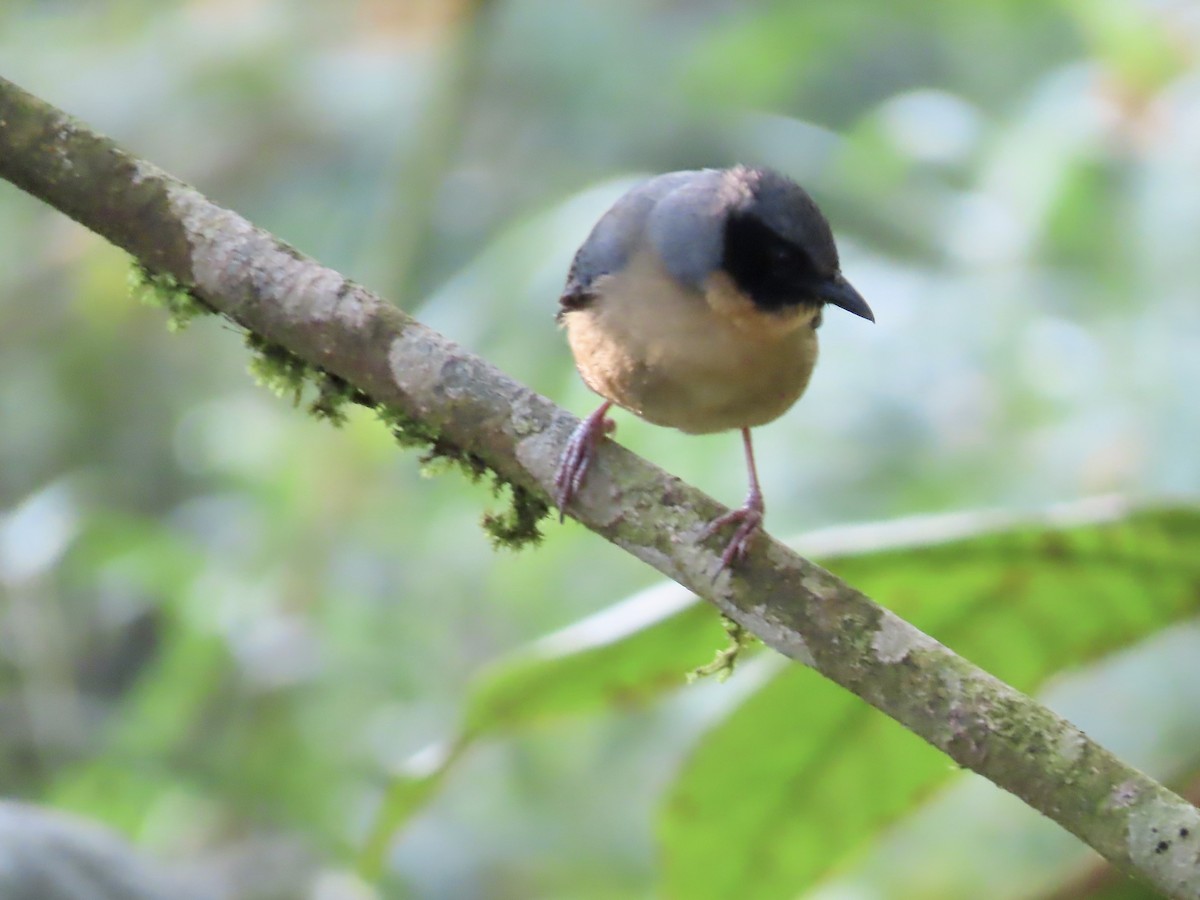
x,y
577,456
749,519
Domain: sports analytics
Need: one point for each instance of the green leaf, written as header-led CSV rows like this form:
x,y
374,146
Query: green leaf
x,y
624,656
621,657
407,794
797,775
803,773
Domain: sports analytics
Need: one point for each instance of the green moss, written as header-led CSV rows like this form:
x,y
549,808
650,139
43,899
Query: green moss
x,y
408,432
287,375
517,526
726,659
280,371
333,393
165,291
440,455
513,527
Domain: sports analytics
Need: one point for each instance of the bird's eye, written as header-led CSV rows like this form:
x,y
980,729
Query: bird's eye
x,y
780,254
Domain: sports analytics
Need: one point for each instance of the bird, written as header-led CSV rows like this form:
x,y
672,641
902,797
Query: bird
x,y
694,304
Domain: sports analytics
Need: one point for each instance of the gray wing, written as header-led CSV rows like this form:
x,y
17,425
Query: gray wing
x,y
615,237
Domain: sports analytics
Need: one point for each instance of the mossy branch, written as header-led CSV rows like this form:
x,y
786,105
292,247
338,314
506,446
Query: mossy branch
x,y
459,407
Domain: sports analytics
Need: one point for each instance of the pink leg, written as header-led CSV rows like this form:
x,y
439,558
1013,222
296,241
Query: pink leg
x,y
749,517
577,455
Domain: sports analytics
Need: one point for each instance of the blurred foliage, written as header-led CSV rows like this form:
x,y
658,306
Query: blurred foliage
x,y
248,639
803,773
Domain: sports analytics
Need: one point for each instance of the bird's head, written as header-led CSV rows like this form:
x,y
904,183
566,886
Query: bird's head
x,y
778,247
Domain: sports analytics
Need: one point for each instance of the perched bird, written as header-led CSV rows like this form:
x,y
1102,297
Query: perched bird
x,y
694,303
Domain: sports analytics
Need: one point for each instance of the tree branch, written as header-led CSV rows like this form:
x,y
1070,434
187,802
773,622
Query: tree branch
x,y
795,606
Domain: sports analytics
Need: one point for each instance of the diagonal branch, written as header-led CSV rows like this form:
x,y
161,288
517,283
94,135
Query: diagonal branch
x,y
795,606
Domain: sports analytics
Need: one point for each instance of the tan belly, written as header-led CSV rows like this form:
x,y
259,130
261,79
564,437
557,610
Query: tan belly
x,y
699,362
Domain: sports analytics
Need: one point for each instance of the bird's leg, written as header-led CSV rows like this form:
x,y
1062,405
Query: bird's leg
x,y
577,455
749,516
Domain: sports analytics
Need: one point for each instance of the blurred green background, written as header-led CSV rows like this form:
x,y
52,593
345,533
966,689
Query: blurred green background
x,y
224,626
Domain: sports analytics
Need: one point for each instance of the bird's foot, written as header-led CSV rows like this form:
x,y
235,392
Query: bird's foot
x,y
749,520
577,456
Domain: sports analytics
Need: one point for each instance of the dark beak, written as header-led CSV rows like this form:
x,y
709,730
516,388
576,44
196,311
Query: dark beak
x,y
838,291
